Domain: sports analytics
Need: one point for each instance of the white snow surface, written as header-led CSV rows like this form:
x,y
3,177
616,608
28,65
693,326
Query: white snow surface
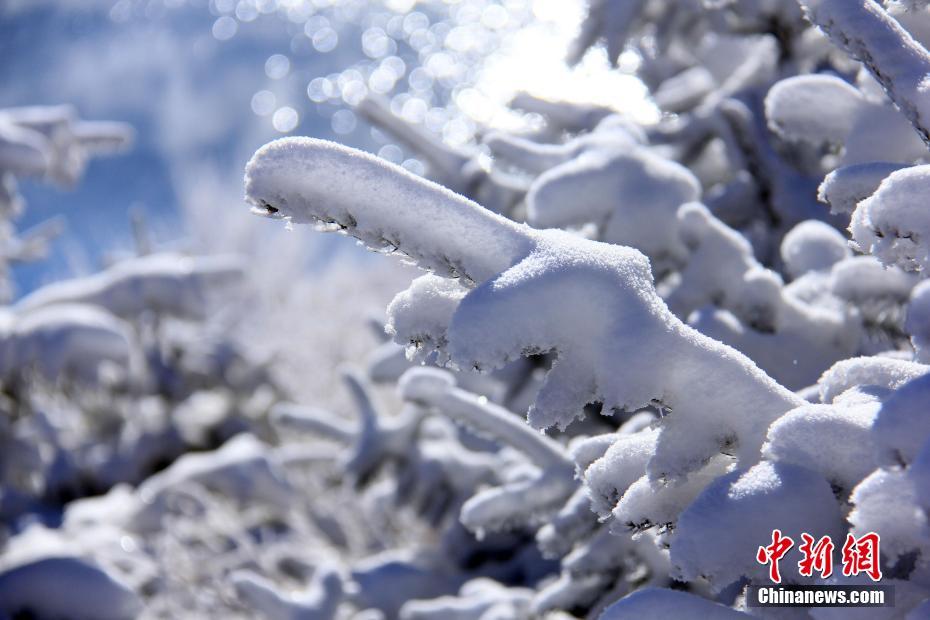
x,y
739,511
813,108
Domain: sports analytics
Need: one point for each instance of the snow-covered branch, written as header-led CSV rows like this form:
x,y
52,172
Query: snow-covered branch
x,y
389,209
521,309
868,33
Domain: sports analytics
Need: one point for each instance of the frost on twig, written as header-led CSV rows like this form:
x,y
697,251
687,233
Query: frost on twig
x,y
419,316
790,194
33,243
878,294
608,477
657,504
795,438
812,246
718,262
433,472
572,523
892,500
901,429
447,164
879,374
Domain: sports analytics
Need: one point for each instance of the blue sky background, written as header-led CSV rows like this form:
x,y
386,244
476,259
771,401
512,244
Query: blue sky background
x,y
187,94
176,72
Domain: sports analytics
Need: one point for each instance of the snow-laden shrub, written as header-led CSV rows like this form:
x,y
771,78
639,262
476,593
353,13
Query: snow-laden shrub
x,y
52,144
166,284
104,380
703,354
697,455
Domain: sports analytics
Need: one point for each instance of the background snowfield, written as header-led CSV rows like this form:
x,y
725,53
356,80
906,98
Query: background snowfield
x,y
661,291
